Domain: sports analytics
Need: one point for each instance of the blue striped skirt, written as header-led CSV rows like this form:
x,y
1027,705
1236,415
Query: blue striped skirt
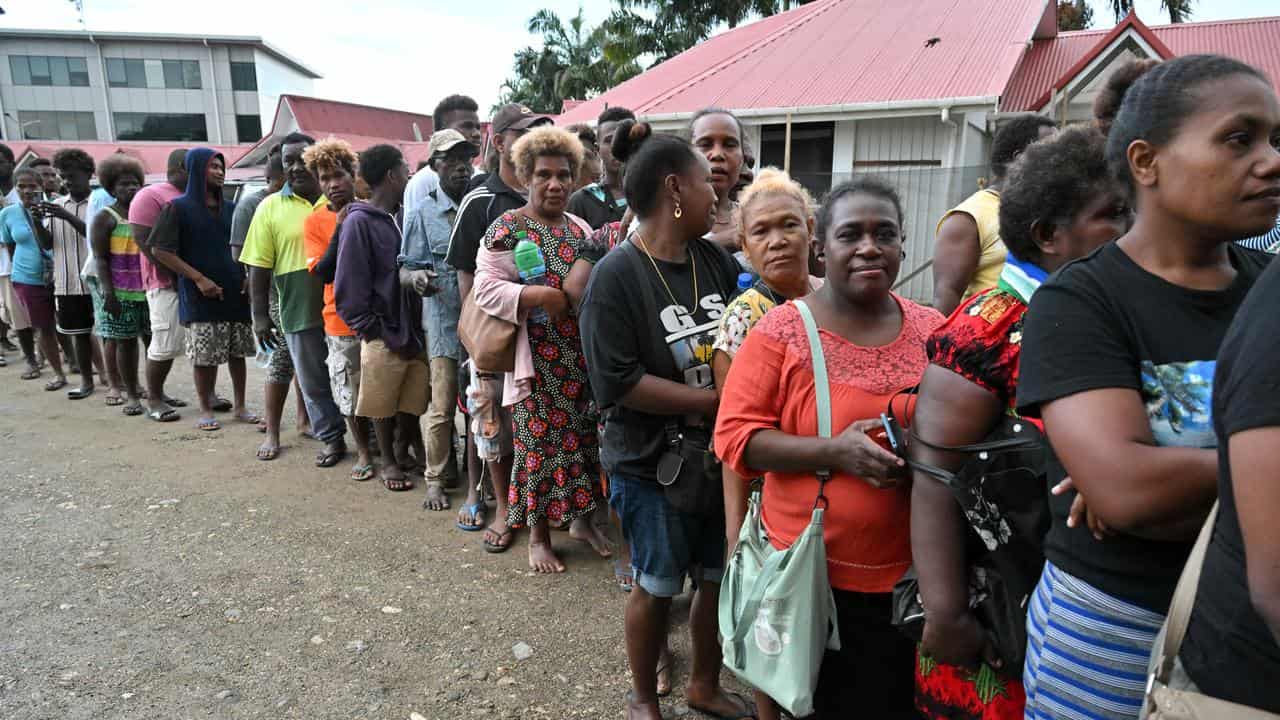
x,y
1087,651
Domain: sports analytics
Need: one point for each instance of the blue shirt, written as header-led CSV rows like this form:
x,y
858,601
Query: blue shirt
x,y
426,244
28,258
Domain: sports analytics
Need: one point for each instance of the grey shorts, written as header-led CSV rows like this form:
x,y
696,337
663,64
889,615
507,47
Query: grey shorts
x,y
210,344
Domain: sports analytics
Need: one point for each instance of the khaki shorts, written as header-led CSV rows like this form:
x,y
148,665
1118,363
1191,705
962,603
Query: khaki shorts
x,y
344,371
12,311
168,337
390,384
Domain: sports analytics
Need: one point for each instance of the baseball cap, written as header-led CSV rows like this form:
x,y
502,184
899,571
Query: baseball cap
x,y
443,140
517,117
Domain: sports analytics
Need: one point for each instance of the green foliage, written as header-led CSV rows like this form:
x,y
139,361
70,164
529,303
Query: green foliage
x,y
1179,10
1074,15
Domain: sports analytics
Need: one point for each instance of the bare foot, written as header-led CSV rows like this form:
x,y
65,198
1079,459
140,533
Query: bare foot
x,y
393,479
436,499
543,559
269,449
665,662
637,710
583,530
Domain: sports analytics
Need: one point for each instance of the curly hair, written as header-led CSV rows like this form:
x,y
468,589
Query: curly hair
x,y
543,141
330,153
1051,182
772,182
1013,137
71,159
116,166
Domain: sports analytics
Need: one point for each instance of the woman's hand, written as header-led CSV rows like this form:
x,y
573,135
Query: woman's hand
x,y
957,641
1080,511
857,454
556,303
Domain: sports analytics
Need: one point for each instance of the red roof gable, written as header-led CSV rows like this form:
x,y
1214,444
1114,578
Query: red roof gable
x,y
318,117
1052,63
839,52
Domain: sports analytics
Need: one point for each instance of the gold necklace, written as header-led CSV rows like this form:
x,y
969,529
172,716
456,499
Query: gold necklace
x,y
693,264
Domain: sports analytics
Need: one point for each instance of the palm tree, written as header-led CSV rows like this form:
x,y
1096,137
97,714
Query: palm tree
x,y
1179,10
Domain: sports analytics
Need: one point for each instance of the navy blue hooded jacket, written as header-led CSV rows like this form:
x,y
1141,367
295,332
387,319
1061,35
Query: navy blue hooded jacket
x,y
203,240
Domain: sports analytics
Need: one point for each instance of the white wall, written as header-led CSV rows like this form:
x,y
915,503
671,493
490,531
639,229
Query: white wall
x,y
275,79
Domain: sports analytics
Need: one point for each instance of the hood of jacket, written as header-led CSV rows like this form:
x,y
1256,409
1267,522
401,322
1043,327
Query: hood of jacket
x,y
197,163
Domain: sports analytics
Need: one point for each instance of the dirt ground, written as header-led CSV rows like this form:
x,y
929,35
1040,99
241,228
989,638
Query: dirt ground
x,y
155,571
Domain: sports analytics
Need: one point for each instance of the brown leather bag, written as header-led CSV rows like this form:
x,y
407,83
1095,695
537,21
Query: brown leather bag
x,y
489,340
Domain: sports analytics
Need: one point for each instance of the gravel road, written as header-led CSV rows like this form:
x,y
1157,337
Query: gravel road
x,y
155,571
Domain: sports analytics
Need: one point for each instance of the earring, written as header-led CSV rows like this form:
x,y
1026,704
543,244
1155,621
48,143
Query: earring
x,y
679,213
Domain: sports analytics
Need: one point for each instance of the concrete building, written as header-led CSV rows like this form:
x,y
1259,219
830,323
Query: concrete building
x,y
75,85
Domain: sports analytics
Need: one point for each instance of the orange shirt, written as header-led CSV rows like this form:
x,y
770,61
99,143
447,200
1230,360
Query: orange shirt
x,y
317,229
770,386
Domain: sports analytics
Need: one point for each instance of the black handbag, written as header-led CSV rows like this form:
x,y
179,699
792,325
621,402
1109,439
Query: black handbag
x,y
689,471
1002,491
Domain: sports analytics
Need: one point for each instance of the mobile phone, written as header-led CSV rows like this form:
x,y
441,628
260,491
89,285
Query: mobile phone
x,y
893,434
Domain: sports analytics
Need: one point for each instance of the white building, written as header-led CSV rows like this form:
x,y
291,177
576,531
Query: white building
x,y
74,85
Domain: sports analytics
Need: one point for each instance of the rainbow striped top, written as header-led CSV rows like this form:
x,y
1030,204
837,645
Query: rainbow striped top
x,y
126,261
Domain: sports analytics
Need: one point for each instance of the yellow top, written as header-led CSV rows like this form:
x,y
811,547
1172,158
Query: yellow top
x,y
984,207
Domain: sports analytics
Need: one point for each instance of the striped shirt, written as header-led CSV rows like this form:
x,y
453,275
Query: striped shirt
x,y
70,251
1269,242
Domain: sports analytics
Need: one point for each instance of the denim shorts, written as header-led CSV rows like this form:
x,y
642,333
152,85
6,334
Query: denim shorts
x,y
666,545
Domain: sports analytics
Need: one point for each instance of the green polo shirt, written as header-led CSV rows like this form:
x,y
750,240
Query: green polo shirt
x,y
275,242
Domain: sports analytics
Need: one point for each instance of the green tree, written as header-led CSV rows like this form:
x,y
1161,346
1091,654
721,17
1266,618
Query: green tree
x,y
1179,10
1074,15
662,29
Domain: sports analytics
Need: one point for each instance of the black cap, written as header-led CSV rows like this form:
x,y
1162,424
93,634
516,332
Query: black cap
x,y
517,117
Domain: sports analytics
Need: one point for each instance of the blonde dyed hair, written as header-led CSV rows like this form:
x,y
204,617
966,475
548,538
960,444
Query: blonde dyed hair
x,y
772,182
330,153
546,141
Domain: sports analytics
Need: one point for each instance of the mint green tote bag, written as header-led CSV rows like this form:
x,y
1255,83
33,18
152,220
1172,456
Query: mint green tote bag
x,y
777,612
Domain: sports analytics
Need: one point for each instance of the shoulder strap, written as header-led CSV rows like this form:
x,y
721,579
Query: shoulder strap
x,y
821,389
1184,599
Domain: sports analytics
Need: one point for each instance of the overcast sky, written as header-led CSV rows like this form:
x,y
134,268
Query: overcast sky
x,y
403,54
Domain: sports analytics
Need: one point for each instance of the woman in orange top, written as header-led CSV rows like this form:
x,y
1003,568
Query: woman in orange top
x,y
874,342
334,163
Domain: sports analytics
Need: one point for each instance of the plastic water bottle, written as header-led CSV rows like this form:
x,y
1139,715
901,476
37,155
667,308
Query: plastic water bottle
x,y
484,418
263,358
532,268
745,281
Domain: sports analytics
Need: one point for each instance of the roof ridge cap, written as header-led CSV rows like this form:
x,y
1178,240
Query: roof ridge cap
x,y
818,8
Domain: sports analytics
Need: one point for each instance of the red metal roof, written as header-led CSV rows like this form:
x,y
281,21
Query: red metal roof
x,y
315,115
154,156
1053,62
839,52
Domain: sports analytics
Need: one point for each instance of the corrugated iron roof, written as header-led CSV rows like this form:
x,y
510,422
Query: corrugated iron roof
x,y
840,52
1051,62
315,115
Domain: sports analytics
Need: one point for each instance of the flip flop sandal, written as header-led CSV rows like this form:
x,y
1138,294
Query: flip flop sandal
x,y
363,473
30,374
329,459
249,418
113,401
175,402
79,393
55,385
133,410
221,404
402,485
748,708
3,362
266,454
498,548
163,416
477,512
207,424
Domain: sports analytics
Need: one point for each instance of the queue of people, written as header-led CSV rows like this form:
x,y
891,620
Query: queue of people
x,y
681,352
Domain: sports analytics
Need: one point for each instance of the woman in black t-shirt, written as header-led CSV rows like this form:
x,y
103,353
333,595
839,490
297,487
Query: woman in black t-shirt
x,y
1118,359
648,320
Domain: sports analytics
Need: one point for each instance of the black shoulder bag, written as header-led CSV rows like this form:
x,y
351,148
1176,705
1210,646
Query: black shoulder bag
x,y
1002,491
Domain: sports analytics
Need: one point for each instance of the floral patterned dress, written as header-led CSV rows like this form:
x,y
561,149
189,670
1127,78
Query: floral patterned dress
x,y
981,342
557,451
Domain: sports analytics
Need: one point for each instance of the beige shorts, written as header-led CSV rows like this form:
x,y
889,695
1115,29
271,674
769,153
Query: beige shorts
x,y
12,311
168,337
344,371
390,384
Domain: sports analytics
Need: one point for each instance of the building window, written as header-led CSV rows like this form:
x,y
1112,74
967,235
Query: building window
x,y
248,128
181,74
244,76
57,125
812,145
126,73
161,126
49,71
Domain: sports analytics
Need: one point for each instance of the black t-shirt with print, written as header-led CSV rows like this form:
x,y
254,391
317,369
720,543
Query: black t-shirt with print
x,y
1229,651
631,328
1104,322
596,210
